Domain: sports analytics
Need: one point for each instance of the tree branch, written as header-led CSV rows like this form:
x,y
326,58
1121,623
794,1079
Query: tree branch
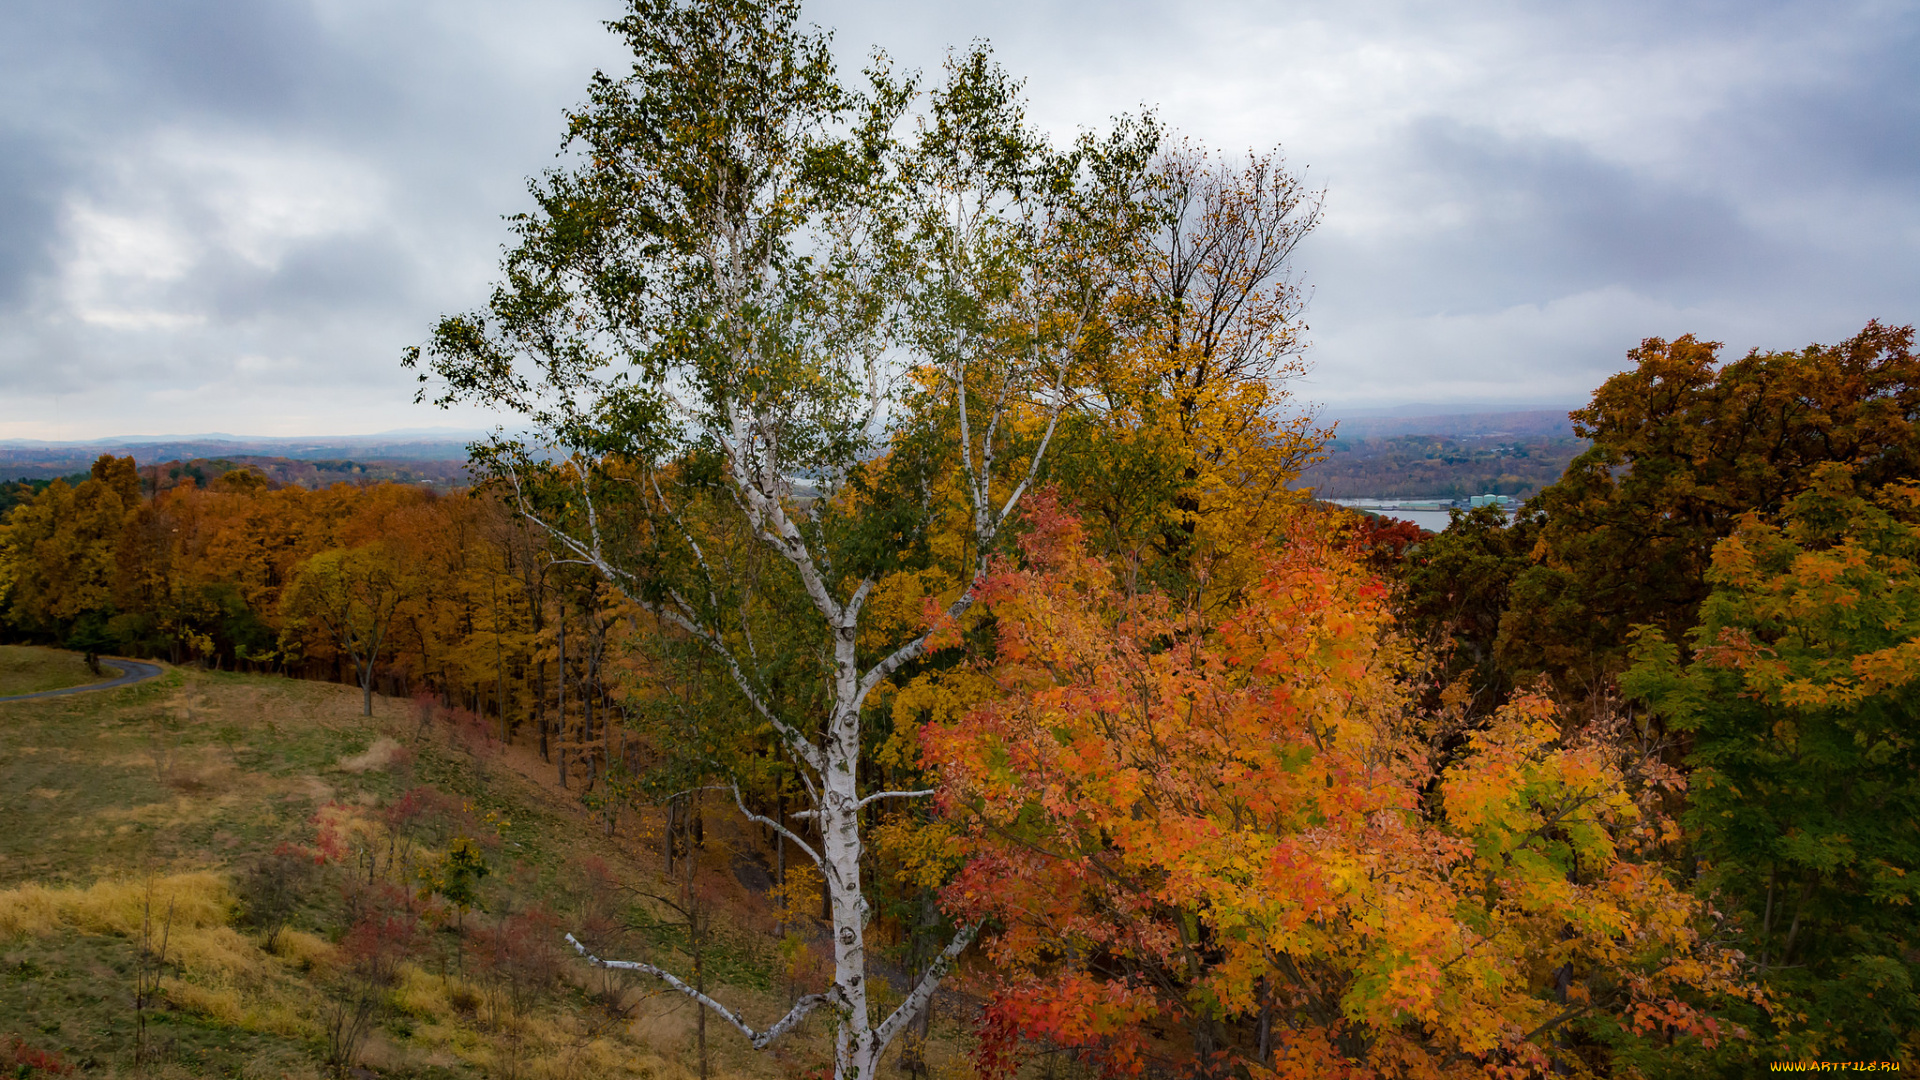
x,y
923,993
776,826
759,1039
861,805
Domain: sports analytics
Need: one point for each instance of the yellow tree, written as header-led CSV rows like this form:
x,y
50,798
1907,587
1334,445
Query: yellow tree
x,y
60,548
345,598
1187,444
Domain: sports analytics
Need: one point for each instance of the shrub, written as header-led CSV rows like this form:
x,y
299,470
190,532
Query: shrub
x,y
273,887
21,1060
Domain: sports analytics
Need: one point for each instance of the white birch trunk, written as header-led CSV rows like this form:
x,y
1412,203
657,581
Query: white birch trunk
x,y
831,767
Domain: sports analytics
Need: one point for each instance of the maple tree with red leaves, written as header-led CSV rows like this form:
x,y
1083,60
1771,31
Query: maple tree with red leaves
x,y
1229,842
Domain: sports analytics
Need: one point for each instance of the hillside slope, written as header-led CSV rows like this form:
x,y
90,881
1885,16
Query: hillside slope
x,y
182,813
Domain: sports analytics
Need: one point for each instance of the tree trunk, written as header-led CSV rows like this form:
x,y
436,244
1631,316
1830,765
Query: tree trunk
x,y
586,706
1265,1033
696,942
856,1051
673,817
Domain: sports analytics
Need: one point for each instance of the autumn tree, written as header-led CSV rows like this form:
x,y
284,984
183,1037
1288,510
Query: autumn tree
x,y
1800,703
60,552
764,312
1683,445
1185,443
346,599
1235,826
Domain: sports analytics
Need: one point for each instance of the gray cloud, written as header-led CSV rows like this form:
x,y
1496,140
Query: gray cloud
x,y
31,178
1509,215
231,214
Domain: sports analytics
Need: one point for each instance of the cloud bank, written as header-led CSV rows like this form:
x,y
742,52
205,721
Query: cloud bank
x,y
233,214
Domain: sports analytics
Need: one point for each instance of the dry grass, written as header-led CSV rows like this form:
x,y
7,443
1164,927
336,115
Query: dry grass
x,y
306,952
28,669
181,784
196,902
380,755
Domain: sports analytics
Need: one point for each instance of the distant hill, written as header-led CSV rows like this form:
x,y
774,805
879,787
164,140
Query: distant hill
x,y
1444,456
1532,423
441,475
425,453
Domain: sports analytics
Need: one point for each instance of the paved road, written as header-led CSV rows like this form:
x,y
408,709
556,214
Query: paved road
x,y
131,671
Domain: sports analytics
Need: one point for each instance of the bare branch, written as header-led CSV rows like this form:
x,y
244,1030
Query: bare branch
x,y
777,827
759,1039
923,993
878,795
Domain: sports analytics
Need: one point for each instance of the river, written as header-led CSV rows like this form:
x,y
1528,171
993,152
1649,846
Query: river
x,y
1429,514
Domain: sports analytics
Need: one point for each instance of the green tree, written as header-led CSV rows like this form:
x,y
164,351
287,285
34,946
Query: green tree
x,y
1803,706
1454,589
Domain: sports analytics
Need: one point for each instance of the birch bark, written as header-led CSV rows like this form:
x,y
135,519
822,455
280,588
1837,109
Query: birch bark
x,y
753,277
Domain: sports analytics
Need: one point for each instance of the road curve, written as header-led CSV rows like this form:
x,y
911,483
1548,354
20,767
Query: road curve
x,y
131,671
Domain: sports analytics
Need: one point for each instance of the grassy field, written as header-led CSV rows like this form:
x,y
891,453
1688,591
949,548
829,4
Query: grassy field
x,y
150,816
25,669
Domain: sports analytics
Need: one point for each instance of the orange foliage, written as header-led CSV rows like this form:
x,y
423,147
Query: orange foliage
x,y
1231,840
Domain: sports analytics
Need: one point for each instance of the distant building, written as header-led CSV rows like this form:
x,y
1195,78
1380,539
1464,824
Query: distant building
x,y
1487,500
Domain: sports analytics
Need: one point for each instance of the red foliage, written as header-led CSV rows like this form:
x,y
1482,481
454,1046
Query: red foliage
x,y
19,1059
1382,542
1181,819
288,849
469,730
420,806
384,929
521,951
330,841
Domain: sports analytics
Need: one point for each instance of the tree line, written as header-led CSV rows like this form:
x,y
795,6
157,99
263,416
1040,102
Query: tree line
x,y
387,586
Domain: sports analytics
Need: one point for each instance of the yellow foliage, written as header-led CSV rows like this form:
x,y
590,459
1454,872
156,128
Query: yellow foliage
x,y
245,1009
600,1057
899,604
800,892
221,1005
227,977
941,697
927,852
218,950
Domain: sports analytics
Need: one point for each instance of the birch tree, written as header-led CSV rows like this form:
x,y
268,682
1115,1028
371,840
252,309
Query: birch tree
x,y
767,333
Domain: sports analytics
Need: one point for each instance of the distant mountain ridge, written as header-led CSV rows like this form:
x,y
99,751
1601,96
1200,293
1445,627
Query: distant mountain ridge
x,y
40,459
1526,424
422,434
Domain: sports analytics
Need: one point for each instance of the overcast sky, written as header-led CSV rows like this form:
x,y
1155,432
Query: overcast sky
x,y
232,215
